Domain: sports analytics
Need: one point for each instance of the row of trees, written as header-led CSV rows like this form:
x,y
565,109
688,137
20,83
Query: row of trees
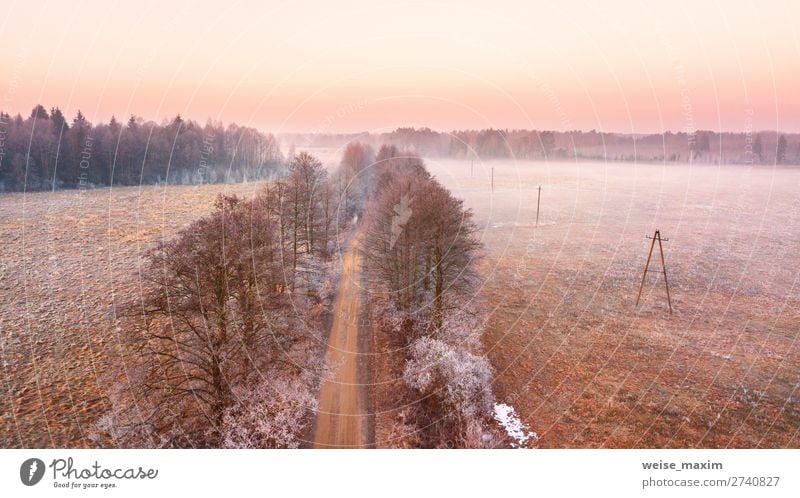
x,y
224,348
702,145
47,151
420,249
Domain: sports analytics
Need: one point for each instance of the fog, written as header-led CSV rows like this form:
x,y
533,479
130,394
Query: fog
x,y
714,216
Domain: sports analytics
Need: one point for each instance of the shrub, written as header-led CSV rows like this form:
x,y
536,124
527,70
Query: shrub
x,y
455,384
273,414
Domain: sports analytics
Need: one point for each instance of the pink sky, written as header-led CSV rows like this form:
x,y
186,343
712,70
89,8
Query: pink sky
x,y
344,66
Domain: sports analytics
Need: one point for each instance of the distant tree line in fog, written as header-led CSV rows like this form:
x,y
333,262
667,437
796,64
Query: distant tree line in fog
x,y
47,151
765,147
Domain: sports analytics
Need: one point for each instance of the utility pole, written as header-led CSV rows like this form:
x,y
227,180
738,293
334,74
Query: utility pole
x,y
538,202
492,178
654,238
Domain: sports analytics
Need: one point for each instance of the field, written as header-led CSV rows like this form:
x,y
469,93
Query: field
x,y
68,260
582,365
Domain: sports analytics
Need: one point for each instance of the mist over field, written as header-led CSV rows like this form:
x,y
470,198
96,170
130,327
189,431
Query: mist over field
x,y
581,362
364,224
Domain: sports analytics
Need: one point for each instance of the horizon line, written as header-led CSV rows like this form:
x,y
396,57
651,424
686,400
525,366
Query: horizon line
x,y
312,131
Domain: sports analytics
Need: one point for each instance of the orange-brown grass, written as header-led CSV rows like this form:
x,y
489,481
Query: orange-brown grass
x,y
68,261
583,366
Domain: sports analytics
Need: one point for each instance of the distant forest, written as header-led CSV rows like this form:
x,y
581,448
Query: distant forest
x,y
47,151
764,147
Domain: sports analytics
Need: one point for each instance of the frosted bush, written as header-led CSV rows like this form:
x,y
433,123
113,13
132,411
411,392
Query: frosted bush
x,y
274,414
459,379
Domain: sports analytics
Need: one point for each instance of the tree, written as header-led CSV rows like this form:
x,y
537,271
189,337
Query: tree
x,y
419,251
59,122
39,112
758,148
420,240
307,181
214,315
455,386
353,177
701,144
780,153
547,142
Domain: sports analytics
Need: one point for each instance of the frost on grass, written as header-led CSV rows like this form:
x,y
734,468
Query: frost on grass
x,y
507,417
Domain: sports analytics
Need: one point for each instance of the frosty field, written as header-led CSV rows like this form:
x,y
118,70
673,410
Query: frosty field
x,y
68,259
584,367
580,364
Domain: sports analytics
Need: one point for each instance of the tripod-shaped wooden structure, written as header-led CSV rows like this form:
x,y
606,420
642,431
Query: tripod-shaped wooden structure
x,y
656,237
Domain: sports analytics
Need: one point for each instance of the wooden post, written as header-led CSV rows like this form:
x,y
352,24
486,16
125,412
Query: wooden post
x,y
656,236
646,266
664,268
538,202
472,169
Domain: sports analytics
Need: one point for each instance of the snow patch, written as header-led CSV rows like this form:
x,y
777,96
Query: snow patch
x,y
507,417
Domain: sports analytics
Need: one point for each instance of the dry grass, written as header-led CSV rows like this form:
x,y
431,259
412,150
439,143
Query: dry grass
x,y
582,366
68,259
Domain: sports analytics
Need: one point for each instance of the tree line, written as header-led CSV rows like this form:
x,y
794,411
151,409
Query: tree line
x,y
224,348
705,146
225,345
48,151
420,251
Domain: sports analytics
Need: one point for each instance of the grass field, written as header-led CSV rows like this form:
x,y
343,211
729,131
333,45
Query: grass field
x,y
581,364
67,260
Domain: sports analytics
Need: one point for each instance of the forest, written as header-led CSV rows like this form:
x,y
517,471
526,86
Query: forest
x,y
702,146
48,151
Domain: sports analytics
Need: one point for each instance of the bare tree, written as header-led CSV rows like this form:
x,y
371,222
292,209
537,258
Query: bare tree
x,y
215,313
780,153
420,249
420,241
354,176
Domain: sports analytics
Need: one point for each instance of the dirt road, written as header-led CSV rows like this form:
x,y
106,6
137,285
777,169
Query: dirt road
x,y
340,420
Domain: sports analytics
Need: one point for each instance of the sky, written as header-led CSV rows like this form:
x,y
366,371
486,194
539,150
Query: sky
x,y
351,66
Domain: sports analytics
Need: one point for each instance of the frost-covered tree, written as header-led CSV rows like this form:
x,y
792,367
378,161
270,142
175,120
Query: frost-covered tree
x,y
215,315
455,389
420,250
272,414
421,242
